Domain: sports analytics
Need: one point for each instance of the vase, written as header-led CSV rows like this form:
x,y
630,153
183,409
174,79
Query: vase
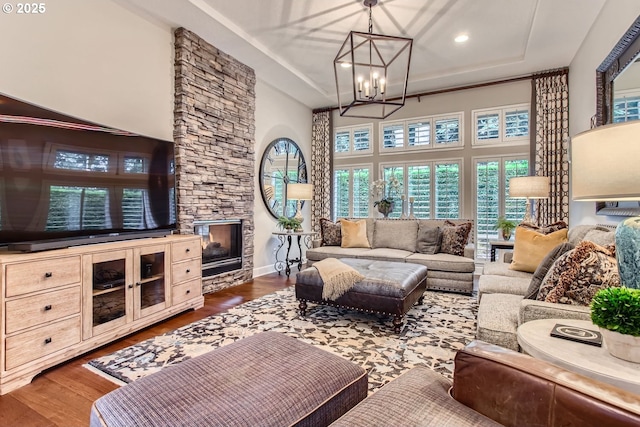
x,y
385,209
506,235
622,346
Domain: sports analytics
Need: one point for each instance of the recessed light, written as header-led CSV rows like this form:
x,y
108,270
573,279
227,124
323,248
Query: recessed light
x,y
461,38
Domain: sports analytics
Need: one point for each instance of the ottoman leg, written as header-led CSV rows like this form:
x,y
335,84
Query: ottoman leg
x,y
303,307
397,323
421,300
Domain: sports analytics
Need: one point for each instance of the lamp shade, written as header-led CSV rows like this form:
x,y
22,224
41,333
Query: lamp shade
x,y
529,187
604,163
300,191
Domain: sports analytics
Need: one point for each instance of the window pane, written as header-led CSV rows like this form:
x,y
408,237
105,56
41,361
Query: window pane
x,y
447,190
516,124
514,209
78,208
134,165
488,126
394,193
342,142
81,161
419,187
341,193
361,193
419,133
487,205
393,136
447,131
626,108
361,139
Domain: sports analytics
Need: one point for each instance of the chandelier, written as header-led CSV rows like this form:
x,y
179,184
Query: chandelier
x,y
371,72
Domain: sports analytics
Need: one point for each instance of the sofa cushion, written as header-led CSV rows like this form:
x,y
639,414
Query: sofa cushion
x,y
386,254
455,238
578,274
497,268
498,320
530,247
502,285
331,232
428,240
444,262
396,234
354,234
543,269
317,254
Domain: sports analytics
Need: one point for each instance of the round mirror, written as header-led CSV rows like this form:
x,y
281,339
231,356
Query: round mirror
x,y
282,163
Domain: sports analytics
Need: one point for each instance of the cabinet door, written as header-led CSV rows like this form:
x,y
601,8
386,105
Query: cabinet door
x,y
107,291
152,286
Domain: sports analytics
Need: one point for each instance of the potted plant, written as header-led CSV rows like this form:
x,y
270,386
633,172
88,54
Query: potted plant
x,y
506,226
288,224
616,311
386,191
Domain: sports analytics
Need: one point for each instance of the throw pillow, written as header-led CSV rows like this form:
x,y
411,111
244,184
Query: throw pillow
x,y
544,229
601,237
454,238
331,233
543,269
577,275
396,234
428,240
530,247
354,234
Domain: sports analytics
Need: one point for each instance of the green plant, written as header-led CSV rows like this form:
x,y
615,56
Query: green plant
x,y
507,226
288,223
617,309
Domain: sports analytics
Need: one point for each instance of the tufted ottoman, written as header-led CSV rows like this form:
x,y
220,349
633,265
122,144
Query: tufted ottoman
x,y
268,379
390,288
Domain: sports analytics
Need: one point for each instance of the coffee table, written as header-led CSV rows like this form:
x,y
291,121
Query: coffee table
x,y
595,362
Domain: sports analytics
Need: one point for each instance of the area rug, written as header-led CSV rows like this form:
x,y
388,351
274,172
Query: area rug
x,y
431,335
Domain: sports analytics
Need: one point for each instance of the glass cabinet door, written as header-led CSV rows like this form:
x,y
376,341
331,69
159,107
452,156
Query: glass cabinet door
x,y
151,290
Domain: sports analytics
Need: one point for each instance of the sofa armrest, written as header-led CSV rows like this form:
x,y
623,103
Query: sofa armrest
x,y
515,389
316,243
470,251
534,310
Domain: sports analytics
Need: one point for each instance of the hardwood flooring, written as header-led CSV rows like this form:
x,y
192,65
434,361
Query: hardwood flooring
x,y
62,396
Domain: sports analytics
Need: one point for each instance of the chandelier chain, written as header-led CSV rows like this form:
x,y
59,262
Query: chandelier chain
x,y
370,21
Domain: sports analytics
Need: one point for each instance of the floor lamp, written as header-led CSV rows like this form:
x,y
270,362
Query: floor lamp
x,y
299,192
604,167
529,187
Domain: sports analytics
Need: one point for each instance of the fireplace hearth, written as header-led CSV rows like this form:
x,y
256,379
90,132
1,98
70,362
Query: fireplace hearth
x,y
221,245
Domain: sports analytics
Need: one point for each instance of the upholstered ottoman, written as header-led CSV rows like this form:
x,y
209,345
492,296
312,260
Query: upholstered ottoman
x,y
390,288
268,379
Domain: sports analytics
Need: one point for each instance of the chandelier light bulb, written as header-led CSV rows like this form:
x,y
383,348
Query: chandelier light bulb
x,y
382,83
366,88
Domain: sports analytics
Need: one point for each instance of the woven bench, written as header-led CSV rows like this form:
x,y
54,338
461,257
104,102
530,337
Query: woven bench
x,y
268,379
390,288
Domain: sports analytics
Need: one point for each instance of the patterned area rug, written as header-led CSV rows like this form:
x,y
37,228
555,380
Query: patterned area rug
x,y
431,335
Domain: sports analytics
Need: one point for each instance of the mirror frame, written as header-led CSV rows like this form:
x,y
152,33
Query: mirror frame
x,y
622,54
302,174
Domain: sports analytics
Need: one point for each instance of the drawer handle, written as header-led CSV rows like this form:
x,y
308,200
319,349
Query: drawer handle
x,y
188,250
188,291
47,307
48,274
48,340
188,271
130,286
138,283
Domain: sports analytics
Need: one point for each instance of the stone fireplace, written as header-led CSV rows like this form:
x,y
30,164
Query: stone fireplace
x,y
221,245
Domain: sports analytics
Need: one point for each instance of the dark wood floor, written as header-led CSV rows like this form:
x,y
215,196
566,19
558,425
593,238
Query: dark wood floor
x,y
62,396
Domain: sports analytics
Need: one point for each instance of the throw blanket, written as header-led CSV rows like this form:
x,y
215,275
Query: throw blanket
x,y
337,277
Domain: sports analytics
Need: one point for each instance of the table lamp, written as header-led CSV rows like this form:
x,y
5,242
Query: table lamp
x,y
299,192
529,187
604,167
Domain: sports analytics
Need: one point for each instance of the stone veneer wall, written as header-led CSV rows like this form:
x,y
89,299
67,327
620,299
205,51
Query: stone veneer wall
x,y
214,131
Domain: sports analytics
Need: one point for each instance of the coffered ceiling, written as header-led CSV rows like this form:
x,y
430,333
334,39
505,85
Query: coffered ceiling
x,y
291,44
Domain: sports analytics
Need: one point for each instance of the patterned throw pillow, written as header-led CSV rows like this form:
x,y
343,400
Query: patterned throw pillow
x,y
454,238
577,275
331,233
543,269
544,229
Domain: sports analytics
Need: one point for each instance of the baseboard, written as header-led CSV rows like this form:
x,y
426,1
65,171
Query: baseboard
x,y
261,271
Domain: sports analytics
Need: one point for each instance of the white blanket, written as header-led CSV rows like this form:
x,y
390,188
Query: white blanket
x,y
337,277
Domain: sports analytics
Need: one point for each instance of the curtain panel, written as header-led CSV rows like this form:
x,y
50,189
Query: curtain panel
x,y
321,167
550,93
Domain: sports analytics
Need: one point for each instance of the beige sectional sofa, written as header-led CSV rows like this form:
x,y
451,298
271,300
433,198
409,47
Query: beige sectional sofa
x,y
398,240
502,306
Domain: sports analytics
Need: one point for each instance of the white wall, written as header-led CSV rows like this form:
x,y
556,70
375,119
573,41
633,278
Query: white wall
x,y
614,20
93,60
277,116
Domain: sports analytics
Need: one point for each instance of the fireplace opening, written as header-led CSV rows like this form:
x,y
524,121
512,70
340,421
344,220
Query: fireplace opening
x,y
221,245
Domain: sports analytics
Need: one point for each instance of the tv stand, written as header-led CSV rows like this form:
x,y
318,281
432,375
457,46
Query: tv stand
x,y
61,303
51,244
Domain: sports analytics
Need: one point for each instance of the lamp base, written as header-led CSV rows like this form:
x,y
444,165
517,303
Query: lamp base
x,y
299,217
628,252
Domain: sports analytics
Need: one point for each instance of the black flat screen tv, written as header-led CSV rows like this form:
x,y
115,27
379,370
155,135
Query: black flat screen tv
x,y
65,182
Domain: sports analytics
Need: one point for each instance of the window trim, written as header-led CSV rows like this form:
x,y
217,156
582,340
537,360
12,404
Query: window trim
x,y
502,139
432,119
352,152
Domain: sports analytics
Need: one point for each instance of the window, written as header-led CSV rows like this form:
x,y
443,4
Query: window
x,y
509,124
353,140
81,161
626,106
351,186
434,187
78,208
442,131
492,197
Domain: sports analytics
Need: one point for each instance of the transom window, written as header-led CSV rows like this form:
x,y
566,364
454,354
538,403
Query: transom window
x,y
353,140
442,131
509,124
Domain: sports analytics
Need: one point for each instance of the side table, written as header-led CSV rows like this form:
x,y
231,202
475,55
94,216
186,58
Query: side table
x,y
595,362
286,263
499,244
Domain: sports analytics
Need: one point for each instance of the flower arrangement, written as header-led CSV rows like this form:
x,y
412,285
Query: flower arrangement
x,y
385,191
